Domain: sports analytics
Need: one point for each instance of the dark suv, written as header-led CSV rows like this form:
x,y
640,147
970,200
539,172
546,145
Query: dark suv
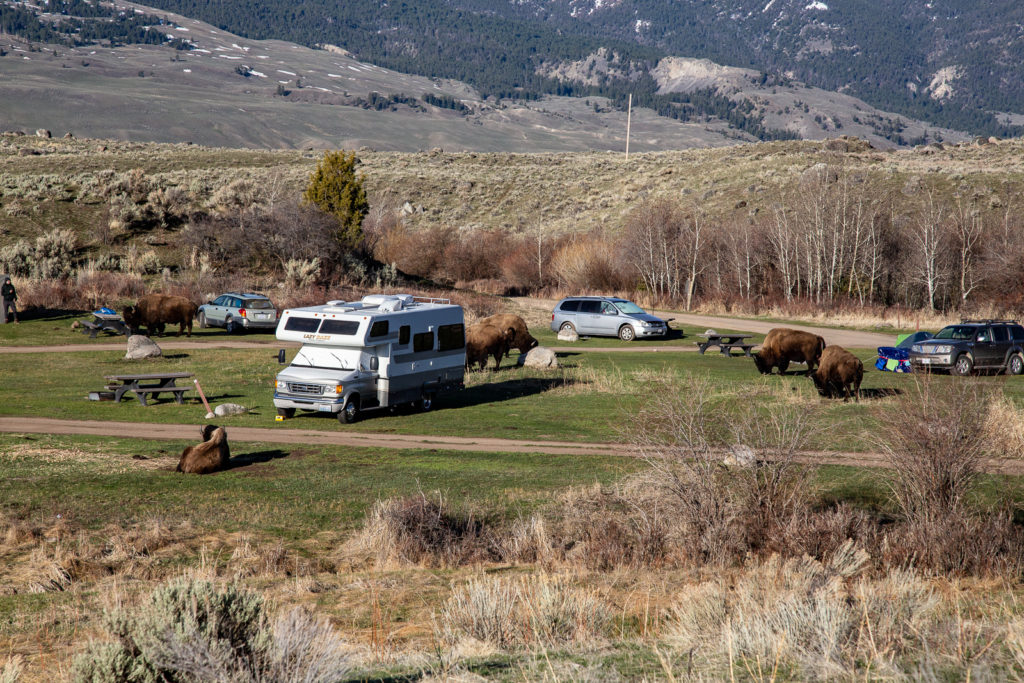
x,y
972,345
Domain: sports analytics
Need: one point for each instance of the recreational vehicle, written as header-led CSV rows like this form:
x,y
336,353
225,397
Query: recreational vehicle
x,y
381,352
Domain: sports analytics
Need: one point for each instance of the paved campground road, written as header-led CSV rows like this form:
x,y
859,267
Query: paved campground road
x,y
286,435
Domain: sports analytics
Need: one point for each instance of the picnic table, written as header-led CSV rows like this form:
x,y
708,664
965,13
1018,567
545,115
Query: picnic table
x,y
725,342
150,385
102,321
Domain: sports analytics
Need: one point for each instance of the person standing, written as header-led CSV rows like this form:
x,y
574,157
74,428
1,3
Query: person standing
x,y
8,296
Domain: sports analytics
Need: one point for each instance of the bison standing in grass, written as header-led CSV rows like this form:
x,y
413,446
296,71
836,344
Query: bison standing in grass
x,y
839,374
522,339
156,310
211,455
483,340
783,346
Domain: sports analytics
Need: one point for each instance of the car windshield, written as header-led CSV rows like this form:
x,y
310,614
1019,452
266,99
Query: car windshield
x,y
257,303
628,307
956,332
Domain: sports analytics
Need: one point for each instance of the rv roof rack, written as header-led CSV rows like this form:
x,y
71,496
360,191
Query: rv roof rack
x,y
986,321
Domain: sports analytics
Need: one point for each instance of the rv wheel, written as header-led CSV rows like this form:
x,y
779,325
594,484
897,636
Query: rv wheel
x,y
287,413
427,403
350,413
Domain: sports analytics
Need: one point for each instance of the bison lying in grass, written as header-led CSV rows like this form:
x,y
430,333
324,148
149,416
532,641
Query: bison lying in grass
x,y
522,339
783,346
839,374
211,455
156,310
483,340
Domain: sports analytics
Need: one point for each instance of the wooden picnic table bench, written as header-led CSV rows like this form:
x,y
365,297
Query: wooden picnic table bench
x,y
111,323
152,385
726,343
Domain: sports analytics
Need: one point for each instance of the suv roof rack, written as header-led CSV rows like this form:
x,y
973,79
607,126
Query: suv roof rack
x,y
986,321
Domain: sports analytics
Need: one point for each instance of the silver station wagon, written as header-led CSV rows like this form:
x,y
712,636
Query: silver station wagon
x,y
238,311
606,316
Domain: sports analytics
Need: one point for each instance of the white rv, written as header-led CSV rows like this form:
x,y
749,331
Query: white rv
x,y
380,352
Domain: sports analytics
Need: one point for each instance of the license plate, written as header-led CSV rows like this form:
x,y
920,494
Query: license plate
x,y
926,361
262,316
324,409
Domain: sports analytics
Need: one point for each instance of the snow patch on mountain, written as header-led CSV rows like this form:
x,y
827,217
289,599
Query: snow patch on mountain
x,y
820,6
941,86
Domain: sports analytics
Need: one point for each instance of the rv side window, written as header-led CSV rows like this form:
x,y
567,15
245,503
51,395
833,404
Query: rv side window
x,y
379,329
403,335
348,327
423,341
450,337
296,324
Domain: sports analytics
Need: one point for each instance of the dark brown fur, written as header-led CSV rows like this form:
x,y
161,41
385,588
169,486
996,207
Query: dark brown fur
x,y
783,346
483,340
522,340
839,374
211,455
156,310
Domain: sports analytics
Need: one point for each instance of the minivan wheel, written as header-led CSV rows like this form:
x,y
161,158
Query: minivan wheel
x,y
963,365
566,327
626,333
350,413
1016,364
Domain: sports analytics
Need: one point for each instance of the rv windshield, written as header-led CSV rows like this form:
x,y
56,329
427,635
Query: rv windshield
x,y
329,357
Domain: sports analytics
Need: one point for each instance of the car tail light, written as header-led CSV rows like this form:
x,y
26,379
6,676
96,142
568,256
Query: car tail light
x,y
241,312
552,317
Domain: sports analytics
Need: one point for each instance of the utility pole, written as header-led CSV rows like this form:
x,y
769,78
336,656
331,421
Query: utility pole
x,y
629,119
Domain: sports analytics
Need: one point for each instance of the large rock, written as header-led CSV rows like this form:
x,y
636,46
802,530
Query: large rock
x,y
540,357
568,336
140,346
226,409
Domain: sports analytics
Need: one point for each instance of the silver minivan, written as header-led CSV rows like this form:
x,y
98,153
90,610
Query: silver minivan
x,y
606,316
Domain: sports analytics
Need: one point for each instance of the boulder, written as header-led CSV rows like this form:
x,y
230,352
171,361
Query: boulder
x,y
43,133
568,336
140,346
740,456
539,357
227,409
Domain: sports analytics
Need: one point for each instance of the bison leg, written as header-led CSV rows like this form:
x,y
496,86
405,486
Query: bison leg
x,y
497,360
783,366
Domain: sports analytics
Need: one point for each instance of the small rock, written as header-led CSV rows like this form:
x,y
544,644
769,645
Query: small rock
x,y
43,133
740,456
226,409
210,416
140,346
568,336
709,332
540,357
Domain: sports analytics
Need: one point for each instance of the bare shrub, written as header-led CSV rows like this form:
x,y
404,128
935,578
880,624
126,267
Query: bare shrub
x,y
54,254
101,288
724,511
588,262
167,204
1004,428
12,670
301,273
419,530
540,610
140,262
17,259
934,439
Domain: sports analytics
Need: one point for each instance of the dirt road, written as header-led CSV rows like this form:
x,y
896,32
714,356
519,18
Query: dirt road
x,y
286,435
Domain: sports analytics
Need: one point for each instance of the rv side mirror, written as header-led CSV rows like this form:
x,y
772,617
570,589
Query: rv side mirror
x,y
374,364
280,356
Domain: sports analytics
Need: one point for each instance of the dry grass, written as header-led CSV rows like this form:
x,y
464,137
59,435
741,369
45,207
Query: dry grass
x,y
1004,428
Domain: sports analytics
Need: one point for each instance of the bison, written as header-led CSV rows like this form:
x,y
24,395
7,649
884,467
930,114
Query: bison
x,y
156,310
523,340
483,340
211,455
839,373
783,346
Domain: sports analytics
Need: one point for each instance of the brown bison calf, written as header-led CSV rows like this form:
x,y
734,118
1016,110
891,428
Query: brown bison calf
x,y
483,340
783,346
840,373
522,339
156,310
211,455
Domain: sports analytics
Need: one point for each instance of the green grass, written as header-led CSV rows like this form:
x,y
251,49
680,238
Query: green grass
x,y
291,492
683,336
589,399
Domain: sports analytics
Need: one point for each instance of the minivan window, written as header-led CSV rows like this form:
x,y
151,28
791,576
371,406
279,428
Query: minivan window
x,y
608,309
590,307
628,307
570,306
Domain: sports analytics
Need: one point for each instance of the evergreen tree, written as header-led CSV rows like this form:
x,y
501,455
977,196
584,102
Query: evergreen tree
x,y
335,188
